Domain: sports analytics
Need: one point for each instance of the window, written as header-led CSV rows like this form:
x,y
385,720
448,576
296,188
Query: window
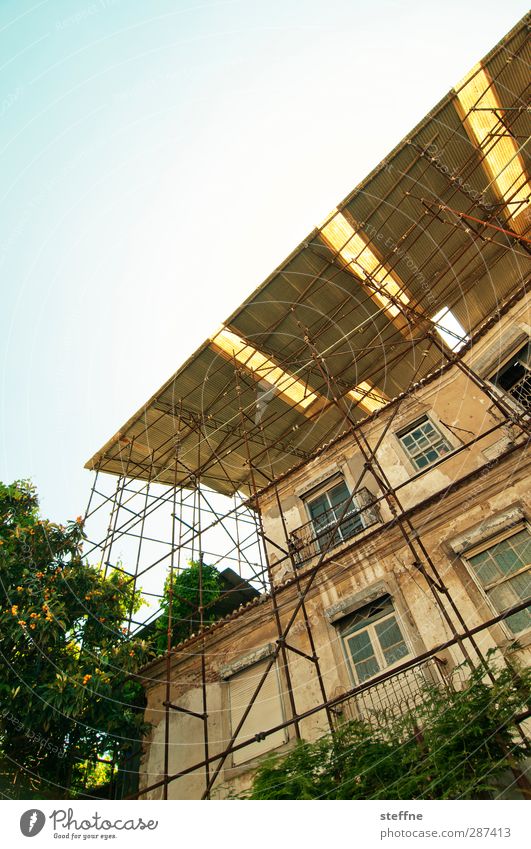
x,y
265,713
372,639
327,508
503,571
514,377
424,443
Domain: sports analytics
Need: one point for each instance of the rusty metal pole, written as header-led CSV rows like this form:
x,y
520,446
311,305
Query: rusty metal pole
x,y
285,666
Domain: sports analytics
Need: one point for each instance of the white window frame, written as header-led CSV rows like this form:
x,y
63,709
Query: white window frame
x,y
375,643
484,546
405,431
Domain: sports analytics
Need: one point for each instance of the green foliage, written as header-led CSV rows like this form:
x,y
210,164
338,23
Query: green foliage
x,y
66,690
186,598
458,744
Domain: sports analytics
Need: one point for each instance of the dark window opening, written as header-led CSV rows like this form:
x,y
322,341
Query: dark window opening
x,y
514,377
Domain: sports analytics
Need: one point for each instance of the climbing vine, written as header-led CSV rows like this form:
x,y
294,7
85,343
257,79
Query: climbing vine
x,y
458,744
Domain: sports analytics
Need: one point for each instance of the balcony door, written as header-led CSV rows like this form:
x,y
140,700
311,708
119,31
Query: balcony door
x,y
327,508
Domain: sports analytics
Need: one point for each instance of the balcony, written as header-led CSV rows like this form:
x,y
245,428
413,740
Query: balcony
x,y
315,536
399,693
521,391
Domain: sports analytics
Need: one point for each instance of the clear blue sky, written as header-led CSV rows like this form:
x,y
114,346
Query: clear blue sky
x,y
158,160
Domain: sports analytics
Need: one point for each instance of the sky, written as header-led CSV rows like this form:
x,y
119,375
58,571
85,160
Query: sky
x,y
158,159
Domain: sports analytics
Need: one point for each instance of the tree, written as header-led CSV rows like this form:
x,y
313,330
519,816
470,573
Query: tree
x,y
186,589
68,694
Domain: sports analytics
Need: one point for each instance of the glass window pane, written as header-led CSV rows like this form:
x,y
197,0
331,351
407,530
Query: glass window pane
x,y
318,507
351,526
521,585
519,621
510,592
362,653
395,653
486,569
503,596
339,494
507,558
391,640
360,646
366,669
388,632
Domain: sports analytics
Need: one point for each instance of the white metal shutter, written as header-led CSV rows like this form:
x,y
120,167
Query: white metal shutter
x,y
265,713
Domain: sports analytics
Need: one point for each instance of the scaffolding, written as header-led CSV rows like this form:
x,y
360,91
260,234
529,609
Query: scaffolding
x,y
191,470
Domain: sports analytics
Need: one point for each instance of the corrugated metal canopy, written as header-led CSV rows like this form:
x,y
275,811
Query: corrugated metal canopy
x,y
226,422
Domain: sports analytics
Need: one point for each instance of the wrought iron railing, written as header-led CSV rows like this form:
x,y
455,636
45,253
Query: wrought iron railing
x,y
313,537
521,391
400,693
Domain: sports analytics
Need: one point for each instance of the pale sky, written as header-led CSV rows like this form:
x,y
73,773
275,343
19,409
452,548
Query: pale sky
x,y
158,160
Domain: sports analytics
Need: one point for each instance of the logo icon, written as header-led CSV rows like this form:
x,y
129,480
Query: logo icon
x,y
31,822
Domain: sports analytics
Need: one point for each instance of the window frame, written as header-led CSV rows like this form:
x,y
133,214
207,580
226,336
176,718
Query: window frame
x,y
404,431
324,490
484,545
374,640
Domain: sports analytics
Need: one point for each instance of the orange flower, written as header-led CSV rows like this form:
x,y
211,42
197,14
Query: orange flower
x,y
20,589
86,679
14,610
22,623
34,615
40,574
32,626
